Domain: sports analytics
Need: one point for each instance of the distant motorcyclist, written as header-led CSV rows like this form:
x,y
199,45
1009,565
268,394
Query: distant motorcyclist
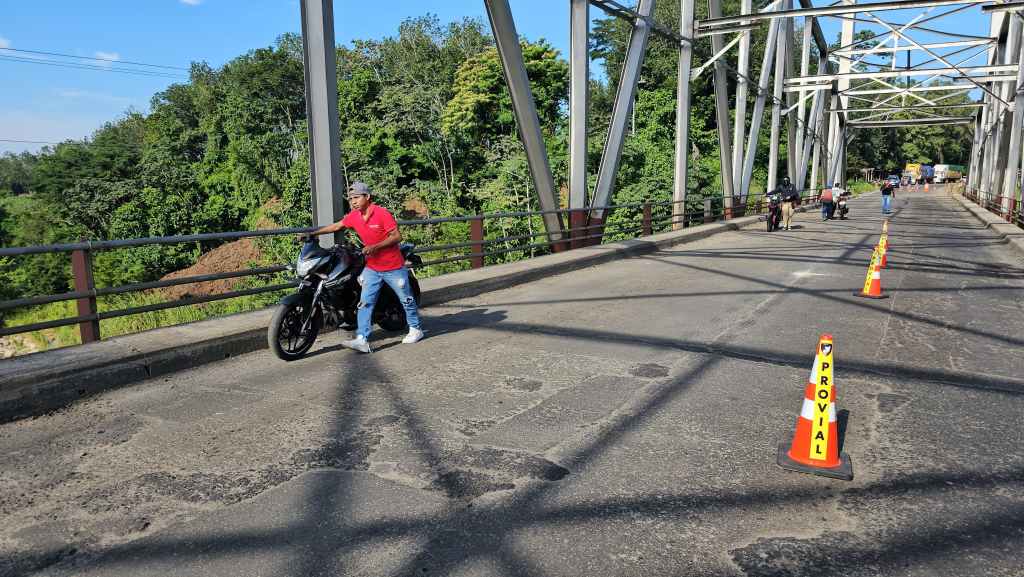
x,y
790,200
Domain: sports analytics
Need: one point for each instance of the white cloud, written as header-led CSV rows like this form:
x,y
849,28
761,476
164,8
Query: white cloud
x,y
4,43
192,2
107,57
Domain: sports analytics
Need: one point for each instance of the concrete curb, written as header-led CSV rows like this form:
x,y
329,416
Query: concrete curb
x,y
1009,233
40,382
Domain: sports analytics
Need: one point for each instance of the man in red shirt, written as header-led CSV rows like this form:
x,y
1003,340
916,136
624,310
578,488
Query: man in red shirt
x,y
384,263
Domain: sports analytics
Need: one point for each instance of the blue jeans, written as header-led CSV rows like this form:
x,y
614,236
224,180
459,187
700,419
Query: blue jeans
x,y
372,280
886,203
827,208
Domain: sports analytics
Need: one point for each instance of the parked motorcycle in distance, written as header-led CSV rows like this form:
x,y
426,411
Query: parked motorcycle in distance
x,y
328,295
774,211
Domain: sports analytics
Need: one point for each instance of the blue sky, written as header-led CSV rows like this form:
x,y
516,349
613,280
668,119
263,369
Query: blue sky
x,y
48,103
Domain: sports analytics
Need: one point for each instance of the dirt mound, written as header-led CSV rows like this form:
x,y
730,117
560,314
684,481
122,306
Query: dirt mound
x,y
232,256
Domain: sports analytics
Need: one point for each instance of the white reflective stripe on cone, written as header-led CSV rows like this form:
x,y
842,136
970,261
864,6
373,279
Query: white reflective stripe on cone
x,y
807,411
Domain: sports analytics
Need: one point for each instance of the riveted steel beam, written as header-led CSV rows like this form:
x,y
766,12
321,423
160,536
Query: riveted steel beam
x,y
507,40
624,96
686,25
932,46
834,11
318,53
902,73
722,114
910,122
579,96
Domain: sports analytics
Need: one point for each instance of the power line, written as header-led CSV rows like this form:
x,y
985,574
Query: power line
x,y
72,65
26,51
10,140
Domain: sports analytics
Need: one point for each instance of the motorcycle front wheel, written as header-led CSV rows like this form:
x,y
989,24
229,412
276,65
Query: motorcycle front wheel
x,y
285,335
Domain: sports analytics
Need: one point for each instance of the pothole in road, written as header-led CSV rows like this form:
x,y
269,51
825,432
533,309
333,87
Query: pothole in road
x,y
523,384
470,472
468,484
649,371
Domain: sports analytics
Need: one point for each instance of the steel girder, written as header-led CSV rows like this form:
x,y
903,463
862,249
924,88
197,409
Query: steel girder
x,y
931,45
507,40
686,26
1006,163
1014,157
722,112
910,122
624,96
781,55
809,81
740,121
579,96
834,11
319,73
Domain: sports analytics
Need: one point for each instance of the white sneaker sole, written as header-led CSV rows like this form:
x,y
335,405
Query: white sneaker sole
x,y
359,348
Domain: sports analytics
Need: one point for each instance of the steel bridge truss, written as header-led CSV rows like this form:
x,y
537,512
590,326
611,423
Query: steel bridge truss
x,y
859,84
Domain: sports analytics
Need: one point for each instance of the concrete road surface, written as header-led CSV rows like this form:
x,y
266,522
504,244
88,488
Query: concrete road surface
x,y
621,420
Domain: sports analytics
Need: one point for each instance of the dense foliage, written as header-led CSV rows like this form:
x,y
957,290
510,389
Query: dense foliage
x,y
425,119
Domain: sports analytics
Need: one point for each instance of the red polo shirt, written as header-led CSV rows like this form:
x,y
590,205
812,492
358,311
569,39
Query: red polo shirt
x,y
373,229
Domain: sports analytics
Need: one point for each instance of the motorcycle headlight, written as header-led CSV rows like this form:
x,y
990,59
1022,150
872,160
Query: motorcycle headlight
x,y
302,267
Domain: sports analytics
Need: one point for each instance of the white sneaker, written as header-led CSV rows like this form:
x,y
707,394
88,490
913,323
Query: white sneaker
x,y
357,344
414,336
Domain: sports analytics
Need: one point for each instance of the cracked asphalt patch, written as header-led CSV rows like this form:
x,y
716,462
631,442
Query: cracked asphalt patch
x,y
621,420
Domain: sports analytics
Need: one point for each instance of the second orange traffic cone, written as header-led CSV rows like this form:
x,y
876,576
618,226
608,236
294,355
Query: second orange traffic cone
x,y
873,281
815,446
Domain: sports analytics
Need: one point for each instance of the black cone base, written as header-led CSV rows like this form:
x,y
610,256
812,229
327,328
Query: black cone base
x,y
862,295
844,471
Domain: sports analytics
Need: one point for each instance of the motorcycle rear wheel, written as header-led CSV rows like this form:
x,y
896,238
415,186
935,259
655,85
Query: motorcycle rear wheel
x,y
285,335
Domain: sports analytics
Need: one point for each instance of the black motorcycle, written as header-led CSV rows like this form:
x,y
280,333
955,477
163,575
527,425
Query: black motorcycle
x,y
774,211
328,295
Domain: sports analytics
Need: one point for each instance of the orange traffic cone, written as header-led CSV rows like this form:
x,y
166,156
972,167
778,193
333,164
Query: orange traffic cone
x,y
885,226
815,446
873,281
883,248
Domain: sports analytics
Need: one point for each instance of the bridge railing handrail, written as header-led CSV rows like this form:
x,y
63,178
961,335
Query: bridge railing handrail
x,y
1009,208
86,292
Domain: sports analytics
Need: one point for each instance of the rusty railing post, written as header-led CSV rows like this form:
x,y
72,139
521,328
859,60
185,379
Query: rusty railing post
x,y
81,270
476,235
567,236
577,220
646,225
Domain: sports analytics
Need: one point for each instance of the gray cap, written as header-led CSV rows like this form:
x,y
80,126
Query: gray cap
x,y
358,187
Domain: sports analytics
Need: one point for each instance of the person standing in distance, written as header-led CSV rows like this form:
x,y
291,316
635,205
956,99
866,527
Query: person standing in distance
x,y
384,263
888,192
790,199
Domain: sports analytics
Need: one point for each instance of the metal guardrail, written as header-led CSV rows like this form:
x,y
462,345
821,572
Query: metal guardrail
x,y
1008,208
654,217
